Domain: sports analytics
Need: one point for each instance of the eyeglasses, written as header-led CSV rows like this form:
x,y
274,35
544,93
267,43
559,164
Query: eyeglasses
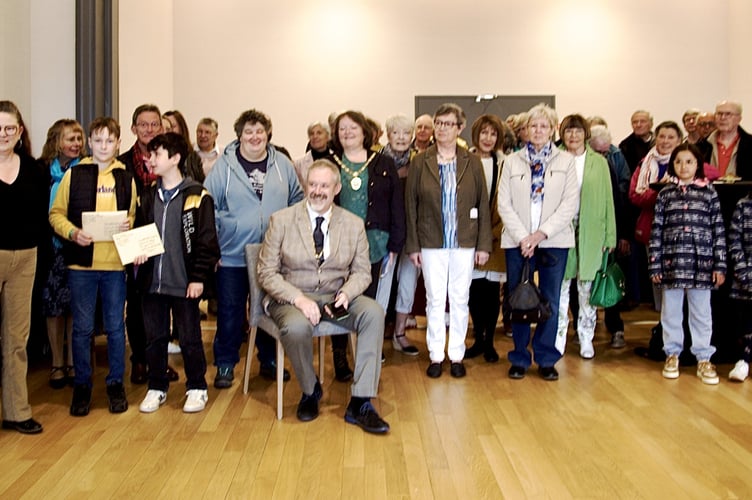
x,y
145,125
9,129
574,131
441,124
724,114
705,124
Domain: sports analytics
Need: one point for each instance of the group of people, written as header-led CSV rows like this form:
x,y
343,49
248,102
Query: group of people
x,y
350,227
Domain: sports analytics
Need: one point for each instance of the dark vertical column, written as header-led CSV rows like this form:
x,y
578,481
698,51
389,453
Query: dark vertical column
x,y
96,59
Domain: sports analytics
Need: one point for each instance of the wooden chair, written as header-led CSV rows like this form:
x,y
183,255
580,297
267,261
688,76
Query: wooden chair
x,y
259,319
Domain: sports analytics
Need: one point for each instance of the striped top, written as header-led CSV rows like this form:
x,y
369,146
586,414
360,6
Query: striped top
x,y
448,179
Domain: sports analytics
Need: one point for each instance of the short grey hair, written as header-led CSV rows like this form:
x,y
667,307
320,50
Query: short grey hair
x,y
600,134
399,122
323,125
543,111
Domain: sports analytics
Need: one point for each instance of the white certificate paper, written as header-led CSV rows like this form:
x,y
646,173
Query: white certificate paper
x,y
143,240
102,225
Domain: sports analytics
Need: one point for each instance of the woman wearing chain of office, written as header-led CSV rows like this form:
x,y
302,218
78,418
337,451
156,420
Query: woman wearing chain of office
x,y
371,189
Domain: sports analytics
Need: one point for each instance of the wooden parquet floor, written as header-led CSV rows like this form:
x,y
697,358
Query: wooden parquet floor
x,y
610,428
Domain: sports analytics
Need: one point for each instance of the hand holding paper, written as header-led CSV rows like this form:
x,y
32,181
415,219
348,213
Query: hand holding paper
x,y
137,242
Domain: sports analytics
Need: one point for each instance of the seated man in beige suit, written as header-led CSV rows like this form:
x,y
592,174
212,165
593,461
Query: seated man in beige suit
x,y
315,253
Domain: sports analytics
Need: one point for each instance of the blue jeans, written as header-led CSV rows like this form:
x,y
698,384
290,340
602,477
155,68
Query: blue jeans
x,y
232,304
84,287
550,263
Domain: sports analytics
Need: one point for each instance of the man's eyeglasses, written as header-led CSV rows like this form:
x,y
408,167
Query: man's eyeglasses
x,y
145,125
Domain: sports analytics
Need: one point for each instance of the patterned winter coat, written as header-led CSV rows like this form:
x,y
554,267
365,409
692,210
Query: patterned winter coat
x,y
687,240
740,249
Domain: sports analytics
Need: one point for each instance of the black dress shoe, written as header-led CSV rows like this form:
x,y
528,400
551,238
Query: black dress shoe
x,y
81,401
434,370
116,397
342,371
29,426
548,373
308,408
517,372
138,373
366,418
269,372
172,375
457,369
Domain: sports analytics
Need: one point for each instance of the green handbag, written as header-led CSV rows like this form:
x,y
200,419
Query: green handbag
x,y
608,285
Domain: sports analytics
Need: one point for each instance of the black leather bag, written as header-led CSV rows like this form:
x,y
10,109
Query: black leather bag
x,y
526,301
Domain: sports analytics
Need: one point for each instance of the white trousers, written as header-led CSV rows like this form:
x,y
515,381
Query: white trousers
x,y
447,272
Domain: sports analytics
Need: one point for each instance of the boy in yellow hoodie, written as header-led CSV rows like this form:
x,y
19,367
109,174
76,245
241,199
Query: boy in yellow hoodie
x,y
99,183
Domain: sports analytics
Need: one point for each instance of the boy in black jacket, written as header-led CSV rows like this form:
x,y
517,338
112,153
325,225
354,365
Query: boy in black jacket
x,y
183,212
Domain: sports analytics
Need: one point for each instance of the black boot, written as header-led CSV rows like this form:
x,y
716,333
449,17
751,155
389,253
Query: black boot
x,y
489,352
477,348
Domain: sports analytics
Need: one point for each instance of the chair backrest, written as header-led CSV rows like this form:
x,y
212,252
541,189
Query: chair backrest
x,y
256,293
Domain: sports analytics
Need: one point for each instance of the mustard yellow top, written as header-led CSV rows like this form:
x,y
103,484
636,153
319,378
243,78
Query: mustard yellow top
x,y
106,257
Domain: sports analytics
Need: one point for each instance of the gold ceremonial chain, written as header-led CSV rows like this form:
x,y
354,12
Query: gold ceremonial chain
x,y
356,182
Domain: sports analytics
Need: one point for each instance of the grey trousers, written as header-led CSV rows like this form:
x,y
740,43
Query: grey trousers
x,y
366,319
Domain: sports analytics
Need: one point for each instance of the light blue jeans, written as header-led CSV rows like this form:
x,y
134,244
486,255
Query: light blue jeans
x,y
700,321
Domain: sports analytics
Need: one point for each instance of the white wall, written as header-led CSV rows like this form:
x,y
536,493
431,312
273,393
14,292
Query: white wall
x,y
37,62
300,60
145,59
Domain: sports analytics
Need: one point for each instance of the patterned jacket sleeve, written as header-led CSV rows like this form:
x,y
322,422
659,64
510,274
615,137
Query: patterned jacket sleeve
x,y
719,234
736,248
655,254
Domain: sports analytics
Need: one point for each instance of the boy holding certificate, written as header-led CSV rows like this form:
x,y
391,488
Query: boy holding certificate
x,y
99,184
174,281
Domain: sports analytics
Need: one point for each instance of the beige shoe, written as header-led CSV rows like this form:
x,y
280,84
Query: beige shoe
x,y
706,372
671,367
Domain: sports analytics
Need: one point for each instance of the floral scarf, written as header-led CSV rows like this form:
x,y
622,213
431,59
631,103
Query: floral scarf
x,y
538,161
650,170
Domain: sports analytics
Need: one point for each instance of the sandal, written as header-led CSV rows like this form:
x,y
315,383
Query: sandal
x,y
401,344
57,377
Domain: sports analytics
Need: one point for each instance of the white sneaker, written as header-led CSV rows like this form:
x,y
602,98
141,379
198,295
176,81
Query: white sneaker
x,y
706,372
153,400
195,400
586,349
173,348
740,371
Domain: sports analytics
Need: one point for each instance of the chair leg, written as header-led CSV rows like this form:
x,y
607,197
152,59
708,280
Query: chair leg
x,y
280,377
353,343
249,358
322,349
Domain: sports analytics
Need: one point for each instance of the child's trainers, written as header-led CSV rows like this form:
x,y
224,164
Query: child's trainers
x,y
706,372
195,400
740,371
153,400
671,367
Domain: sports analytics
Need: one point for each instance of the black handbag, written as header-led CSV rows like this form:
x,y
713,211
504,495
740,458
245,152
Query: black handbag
x,y
608,285
526,301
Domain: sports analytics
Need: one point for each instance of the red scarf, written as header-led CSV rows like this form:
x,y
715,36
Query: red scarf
x,y
143,172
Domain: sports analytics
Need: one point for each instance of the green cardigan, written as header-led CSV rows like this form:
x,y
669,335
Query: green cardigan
x,y
597,223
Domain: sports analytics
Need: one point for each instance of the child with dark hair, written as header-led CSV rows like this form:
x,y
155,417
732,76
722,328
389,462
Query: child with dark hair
x,y
183,212
687,257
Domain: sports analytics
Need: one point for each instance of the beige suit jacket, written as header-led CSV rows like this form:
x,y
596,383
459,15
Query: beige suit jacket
x,y
288,267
